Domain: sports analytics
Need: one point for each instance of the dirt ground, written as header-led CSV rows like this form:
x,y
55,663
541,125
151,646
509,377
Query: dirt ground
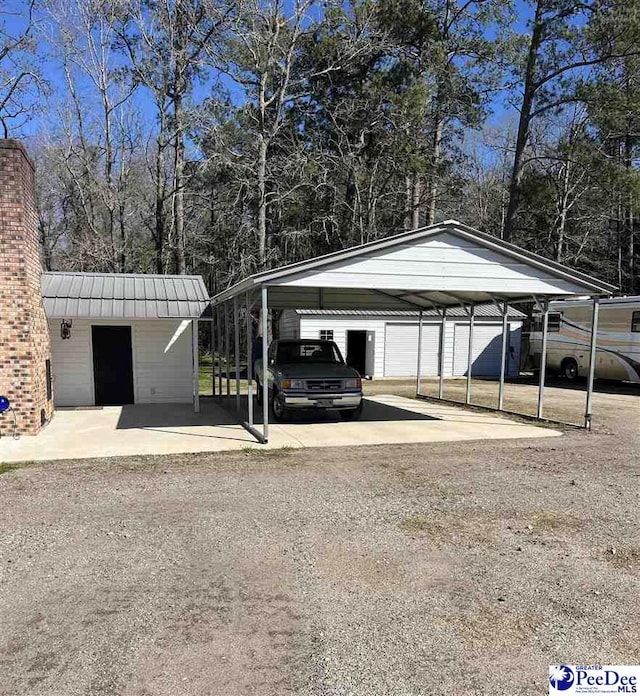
x,y
418,569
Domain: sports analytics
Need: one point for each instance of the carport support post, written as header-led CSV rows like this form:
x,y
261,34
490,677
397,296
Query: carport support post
x,y
236,350
441,356
249,363
265,378
227,357
219,312
196,376
543,357
503,356
213,352
472,321
419,365
592,362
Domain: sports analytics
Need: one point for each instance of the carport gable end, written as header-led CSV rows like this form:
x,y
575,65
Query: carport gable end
x,y
442,265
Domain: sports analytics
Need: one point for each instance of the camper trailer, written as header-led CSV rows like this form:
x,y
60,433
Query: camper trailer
x,y
569,337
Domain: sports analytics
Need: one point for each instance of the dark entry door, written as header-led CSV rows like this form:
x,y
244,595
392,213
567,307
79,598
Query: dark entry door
x,y
357,350
112,365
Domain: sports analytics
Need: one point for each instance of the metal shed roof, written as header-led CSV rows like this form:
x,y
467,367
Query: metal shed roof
x,y
123,296
442,265
482,312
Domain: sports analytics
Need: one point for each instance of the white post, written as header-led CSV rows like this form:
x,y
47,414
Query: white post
x,y
227,357
419,365
543,358
503,355
472,319
249,363
265,354
195,365
236,350
441,356
592,362
219,313
213,352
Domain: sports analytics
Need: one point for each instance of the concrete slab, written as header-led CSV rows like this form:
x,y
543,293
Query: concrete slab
x,y
174,428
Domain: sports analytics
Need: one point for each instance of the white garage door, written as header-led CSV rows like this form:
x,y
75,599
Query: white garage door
x,y
401,349
487,350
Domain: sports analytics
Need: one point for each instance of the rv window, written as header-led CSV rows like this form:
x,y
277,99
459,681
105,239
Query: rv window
x,y
555,320
326,334
635,322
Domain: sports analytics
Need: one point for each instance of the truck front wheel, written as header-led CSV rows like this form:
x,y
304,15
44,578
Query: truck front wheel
x,y
280,412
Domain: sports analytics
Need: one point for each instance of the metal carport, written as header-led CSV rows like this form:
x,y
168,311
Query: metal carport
x,y
436,267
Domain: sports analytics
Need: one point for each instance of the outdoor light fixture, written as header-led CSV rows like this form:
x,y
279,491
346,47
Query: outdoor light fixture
x,y
65,329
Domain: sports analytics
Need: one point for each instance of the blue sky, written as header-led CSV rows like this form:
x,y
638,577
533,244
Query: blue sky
x,y
13,15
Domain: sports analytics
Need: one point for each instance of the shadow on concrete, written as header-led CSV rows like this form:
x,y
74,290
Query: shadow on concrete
x,y
372,412
221,413
174,416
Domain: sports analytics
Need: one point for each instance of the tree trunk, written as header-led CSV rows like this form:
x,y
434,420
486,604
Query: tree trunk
x,y
262,202
515,184
122,260
415,201
179,90
564,209
408,202
433,181
178,193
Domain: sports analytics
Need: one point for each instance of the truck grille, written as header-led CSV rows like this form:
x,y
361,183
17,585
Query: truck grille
x,y
324,384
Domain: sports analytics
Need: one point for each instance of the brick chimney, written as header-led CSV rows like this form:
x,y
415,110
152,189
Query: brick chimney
x,y
25,351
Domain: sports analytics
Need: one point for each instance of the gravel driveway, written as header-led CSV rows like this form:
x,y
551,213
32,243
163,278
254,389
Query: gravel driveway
x,y
419,569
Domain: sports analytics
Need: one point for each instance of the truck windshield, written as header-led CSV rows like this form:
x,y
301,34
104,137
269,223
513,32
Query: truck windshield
x,y
308,351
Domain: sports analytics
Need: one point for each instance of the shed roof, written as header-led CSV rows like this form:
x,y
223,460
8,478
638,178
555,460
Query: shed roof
x,y
123,296
442,265
488,311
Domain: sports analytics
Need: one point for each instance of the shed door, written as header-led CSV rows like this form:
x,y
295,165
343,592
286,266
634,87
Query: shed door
x,y
487,349
112,365
401,349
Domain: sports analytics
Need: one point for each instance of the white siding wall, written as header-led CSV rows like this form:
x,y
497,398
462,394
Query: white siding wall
x,y
161,372
310,326
448,261
71,365
485,332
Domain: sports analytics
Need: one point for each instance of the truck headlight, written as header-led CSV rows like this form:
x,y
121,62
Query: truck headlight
x,y
355,383
292,384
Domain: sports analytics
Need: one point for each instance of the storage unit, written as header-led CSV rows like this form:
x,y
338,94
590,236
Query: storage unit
x,y
392,339
119,339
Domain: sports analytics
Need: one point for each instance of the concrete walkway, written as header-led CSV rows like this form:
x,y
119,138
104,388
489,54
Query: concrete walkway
x,y
174,428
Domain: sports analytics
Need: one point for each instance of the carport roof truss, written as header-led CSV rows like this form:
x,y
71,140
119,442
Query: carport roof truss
x,y
443,265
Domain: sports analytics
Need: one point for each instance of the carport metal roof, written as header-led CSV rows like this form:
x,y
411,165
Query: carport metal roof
x,y
442,265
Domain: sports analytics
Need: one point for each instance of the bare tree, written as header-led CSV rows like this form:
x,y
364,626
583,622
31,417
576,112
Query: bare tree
x,y
167,42
98,121
20,81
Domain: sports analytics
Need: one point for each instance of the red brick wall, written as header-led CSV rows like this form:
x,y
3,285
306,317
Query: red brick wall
x,y
24,337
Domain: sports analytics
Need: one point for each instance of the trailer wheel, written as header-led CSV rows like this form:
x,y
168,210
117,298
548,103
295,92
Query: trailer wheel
x,y
569,369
